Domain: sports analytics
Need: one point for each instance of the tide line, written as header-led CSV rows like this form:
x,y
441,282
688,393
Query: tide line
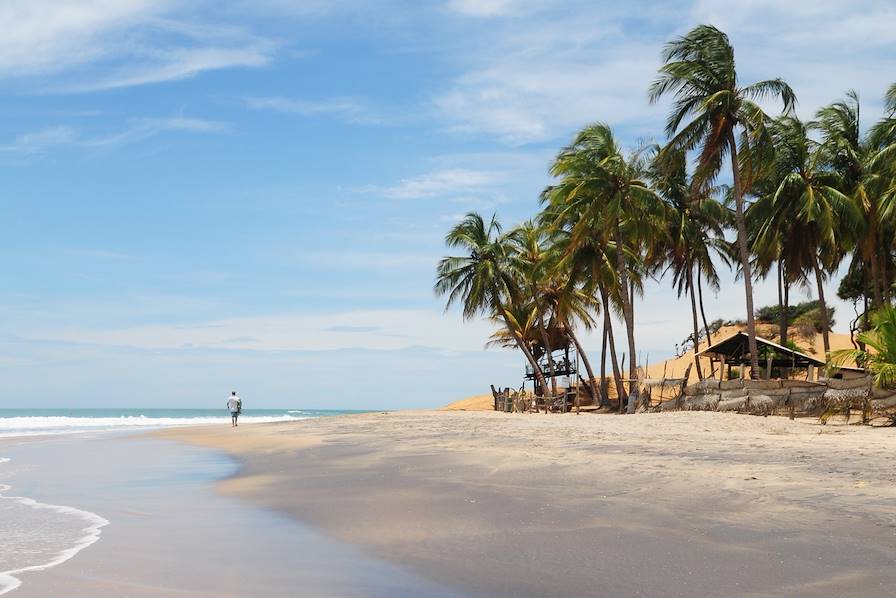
x,y
8,579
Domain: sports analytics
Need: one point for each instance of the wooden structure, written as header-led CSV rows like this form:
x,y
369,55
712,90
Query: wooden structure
x,y
734,351
563,363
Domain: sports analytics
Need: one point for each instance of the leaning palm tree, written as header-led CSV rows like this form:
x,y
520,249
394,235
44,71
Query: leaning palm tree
x,y
591,263
528,254
605,189
566,293
699,72
483,279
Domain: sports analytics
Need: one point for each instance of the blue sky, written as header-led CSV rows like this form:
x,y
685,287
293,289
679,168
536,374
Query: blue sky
x,y
200,195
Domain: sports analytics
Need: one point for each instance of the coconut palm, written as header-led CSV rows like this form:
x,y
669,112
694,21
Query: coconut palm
x,y
483,279
866,166
699,72
808,200
880,360
605,190
591,263
694,231
528,252
567,293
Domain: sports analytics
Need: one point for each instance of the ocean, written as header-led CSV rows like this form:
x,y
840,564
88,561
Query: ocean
x,y
35,422
39,534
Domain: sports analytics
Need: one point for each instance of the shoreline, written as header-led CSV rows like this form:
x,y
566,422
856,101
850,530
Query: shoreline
x,y
547,505
9,580
171,534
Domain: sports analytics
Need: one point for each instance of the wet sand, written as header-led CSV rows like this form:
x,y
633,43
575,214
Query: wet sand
x,y
677,504
169,534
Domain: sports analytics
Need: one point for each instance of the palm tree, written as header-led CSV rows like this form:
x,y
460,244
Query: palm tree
x,y
483,279
605,192
591,262
881,359
699,71
866,165
808,201
566,293
527,243
695,224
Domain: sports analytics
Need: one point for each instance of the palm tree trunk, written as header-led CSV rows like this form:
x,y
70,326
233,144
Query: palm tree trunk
x,y
525,349
590,384
785,319
691,292
608,326
627,311
744,256
548,352
822,305
702,312
781,331
870,250
604,383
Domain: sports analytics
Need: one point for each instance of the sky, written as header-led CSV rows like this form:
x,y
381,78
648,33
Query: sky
x,y
201,196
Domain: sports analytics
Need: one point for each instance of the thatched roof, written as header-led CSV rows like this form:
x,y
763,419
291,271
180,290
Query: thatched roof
x,y
735,349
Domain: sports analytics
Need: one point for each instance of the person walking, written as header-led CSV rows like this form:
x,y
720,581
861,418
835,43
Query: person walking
x,y
235,406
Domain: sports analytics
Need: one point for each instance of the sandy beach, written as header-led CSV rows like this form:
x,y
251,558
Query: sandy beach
x,y
675,504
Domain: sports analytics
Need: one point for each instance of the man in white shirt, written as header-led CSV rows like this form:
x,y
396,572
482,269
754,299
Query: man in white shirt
x,y
235,406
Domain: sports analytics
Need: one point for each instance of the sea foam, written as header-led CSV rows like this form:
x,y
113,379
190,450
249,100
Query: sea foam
x,y
42,535
40,425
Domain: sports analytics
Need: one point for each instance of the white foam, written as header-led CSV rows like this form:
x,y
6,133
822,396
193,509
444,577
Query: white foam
x,y
91,533
39,425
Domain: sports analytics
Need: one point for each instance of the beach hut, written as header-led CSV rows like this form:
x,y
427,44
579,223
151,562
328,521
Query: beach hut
x,y
734,351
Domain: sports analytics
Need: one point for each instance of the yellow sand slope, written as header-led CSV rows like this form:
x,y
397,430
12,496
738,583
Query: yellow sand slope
x,y
676,366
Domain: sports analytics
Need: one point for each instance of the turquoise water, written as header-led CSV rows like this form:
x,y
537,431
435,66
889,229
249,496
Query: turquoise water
x,y
29,422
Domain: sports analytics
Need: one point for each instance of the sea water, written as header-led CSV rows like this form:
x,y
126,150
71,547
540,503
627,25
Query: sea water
x,y
36,535
34,422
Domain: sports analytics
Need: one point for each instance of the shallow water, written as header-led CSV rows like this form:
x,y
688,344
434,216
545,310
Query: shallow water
x,y
168,531
36,422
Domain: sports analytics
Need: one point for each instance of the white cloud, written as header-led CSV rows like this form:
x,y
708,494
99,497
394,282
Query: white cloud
x,y
854,51
137,130
441,183
176,64
347,109
370,330
368,260
137,41
538,78
547,71
480,8
39,141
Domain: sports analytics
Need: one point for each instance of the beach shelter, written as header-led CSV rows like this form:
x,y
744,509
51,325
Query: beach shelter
x,y
734,350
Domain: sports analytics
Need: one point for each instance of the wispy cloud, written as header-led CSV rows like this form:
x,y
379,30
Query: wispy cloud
x,y
363,329
136,130
368,260
480,8
351,110
132,42
176,64
451,182
536,79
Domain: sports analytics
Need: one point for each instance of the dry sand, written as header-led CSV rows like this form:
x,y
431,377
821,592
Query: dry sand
x,y
672,504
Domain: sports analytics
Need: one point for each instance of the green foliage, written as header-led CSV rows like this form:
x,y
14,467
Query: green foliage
x,y
880,357
801,314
